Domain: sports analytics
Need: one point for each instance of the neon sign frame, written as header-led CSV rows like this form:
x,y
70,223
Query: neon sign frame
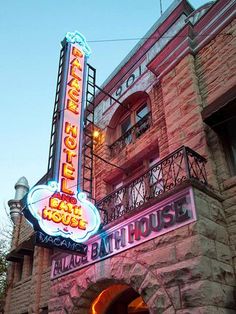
x,y
61,208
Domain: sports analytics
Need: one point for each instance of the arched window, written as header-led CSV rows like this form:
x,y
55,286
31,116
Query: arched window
x,y
131,120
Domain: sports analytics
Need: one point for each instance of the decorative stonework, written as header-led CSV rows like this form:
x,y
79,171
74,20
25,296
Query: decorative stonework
x,y
189,268
118,270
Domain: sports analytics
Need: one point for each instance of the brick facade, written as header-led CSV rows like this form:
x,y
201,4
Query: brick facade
x,y
190,269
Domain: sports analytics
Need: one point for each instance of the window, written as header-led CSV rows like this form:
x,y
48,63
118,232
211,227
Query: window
x,y
135,124
125,126
223,122
130,121
142,112
138,187
156,181
229,142
115,205
135,188
119,200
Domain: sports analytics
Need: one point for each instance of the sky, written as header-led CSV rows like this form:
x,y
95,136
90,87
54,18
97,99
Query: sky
x,y
31,32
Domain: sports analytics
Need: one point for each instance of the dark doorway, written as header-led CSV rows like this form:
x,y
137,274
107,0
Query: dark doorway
x,y
119,299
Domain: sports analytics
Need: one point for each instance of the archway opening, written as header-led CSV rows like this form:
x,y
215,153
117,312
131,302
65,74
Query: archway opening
x,y
117,299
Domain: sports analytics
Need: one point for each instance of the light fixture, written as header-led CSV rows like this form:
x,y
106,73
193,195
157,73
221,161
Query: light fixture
x,y
96,134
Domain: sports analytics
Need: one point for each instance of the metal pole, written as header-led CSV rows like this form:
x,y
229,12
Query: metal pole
x,y
161,7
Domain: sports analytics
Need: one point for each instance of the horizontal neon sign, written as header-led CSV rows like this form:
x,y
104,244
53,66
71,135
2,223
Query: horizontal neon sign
x,y
168,215
61,215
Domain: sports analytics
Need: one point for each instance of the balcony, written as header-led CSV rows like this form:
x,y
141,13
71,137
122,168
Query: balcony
x,y
183,165
131,135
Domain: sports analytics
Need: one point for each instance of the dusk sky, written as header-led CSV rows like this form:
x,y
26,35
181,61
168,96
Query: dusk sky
x,y
31,32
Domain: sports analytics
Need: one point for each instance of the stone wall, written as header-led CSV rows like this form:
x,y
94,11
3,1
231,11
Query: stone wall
x,y
191,269
216,65
29,288
186,270
26,231
20,297
229,204
22,232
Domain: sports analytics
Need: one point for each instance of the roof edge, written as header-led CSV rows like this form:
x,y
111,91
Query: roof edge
x,y
148,34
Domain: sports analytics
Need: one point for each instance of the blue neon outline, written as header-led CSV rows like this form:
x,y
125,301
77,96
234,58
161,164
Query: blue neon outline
x,y
77,38
81,124
53,187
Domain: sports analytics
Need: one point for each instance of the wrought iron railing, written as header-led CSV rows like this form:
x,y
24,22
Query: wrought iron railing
x,y
181,165
131,135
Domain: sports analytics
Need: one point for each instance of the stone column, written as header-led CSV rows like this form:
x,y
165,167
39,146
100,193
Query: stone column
x,y
21,187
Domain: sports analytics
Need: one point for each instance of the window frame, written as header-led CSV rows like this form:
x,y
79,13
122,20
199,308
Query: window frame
x,y
133,173
144,105
218,121
227,146
133,117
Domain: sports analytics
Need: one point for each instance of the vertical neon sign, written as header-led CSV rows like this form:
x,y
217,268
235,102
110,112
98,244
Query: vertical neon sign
x,y
60,208
71,131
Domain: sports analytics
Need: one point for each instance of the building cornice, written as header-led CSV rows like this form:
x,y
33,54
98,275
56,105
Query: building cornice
x,y
134,58
192,38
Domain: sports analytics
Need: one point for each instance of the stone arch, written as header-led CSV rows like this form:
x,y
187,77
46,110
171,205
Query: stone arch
x,y
119,270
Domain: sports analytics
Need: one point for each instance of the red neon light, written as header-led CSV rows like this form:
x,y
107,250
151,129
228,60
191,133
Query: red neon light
x,y
68,174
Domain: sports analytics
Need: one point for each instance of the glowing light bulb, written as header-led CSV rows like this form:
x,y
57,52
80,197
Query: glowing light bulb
x,y
96,134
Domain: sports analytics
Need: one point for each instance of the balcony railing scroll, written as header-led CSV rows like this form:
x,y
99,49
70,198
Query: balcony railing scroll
x,y
181,165
131,135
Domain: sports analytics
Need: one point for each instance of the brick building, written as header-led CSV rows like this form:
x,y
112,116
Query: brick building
x,y
164,180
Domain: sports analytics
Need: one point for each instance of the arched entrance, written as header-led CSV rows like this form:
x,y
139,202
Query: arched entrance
x,y
117,299
99,289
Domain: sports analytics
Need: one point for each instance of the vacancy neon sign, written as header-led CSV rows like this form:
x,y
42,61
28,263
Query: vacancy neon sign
x,y
60,208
